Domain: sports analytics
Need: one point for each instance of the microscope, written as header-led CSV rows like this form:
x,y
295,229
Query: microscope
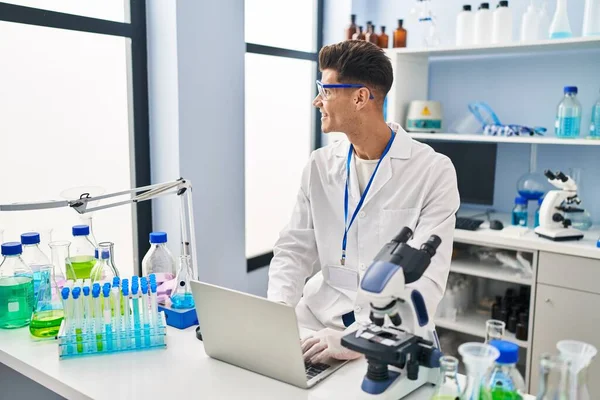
x,y
402,350
553,223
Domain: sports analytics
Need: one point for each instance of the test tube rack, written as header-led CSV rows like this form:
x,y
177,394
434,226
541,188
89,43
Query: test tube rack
x,y
89,342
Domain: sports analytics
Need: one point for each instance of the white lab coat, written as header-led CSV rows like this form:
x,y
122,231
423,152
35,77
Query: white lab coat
x,y
414,187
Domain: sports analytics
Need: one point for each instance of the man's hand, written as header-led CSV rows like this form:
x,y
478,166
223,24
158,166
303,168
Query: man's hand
x,y
326,343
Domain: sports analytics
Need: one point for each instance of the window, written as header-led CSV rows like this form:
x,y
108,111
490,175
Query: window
x,y
74,113
281,124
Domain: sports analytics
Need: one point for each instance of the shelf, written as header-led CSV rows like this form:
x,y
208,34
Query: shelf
x,y
455,137
473,324
542,46
490,271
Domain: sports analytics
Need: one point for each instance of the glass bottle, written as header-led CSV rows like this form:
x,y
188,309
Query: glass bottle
x,y
159,260
111,259
182,294
568,114
504,381
16,288
554,378
33,257
494,330
82,257
359,35
580,356
384,40
61,260
352,29
478,359
102,271
595,121
49,312
400,35
371,36
447,387
519,212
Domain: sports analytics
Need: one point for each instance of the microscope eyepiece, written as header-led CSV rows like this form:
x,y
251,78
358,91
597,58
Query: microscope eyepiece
x,y
549,174
431,245
404,235
562,176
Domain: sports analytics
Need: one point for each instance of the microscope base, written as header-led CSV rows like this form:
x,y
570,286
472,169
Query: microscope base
x,y
399,386
559,234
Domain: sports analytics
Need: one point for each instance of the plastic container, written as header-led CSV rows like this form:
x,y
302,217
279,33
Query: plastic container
x,y
502,25
560,27
483,24
568,114
536,219
591,18
504,381
34,257
580,355
159,260
478,359
465,26
595,121
519,212
16,288
530,25
82,253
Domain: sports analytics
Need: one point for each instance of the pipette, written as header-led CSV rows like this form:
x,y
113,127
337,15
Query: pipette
x,y
145,317
107,316
78,318
97,315
116,296
136,314
126,318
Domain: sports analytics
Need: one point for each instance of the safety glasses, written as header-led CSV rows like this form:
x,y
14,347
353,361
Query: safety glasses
x,y
325,91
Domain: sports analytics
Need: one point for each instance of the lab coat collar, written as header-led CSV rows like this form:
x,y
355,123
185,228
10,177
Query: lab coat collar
x,y
401,148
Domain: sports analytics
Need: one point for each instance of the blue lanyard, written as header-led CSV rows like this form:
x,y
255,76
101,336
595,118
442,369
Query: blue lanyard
x,y
364,195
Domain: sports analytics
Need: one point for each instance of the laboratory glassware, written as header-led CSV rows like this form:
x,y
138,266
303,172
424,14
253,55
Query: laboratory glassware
x,y
384,39
502,23
111,259
580,355
595,121
532,185
447,387
102,270
465,26
16,288
33,256
61,260
359,34
560,27
159,260
371,36
181,297
553,378
49,311
478,359
351,30
591,18
519,212
82,252
568,114
494,330
400,35
504,380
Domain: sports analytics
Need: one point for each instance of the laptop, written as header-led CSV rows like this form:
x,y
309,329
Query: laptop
x,y
256,334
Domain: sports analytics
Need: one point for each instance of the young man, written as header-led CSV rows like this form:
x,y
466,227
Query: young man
x,y
391,181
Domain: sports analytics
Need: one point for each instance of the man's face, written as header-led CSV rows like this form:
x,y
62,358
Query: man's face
x,y
337,111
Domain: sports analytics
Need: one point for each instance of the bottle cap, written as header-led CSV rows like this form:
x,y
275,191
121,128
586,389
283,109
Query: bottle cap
x,y
503,3
570,89
76,292
509,352
86,290
106,290
96,254
152,278
125,290
30,238
467,7
64,293
12,249
81,230
134,289
125,282
484,6
96,291
153,287
116,281
158,237
135,278
520,200
144,280
145,289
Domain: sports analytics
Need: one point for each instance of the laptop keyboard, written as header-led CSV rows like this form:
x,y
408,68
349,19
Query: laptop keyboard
x,y
313,370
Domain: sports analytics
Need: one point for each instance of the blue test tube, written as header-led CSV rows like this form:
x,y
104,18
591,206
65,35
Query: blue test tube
x,y
126,315
107,316
97,315
136,314
145,317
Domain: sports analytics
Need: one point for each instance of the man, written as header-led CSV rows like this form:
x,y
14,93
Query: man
x,y
389,181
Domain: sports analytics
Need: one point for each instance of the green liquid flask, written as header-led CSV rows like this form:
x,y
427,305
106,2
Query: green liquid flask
x,y
82,257
505,382
49,312
16,288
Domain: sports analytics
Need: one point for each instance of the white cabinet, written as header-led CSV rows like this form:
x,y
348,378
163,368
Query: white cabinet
x,y
562,313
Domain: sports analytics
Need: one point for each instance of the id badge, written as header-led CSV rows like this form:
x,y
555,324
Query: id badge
x,y
342,278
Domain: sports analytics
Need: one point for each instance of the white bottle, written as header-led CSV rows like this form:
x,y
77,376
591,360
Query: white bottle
x,y
465,27
483,24
530,25
560,27
591,18
502,25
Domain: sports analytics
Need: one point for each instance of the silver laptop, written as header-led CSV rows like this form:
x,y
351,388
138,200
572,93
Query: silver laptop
x,y
256,334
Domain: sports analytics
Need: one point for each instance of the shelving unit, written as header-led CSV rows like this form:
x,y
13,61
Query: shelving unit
x,y
490,271
455,137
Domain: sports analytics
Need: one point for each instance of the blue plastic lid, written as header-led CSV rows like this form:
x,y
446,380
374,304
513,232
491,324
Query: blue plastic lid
x,y
12,249
76,292
64,293
96,291
153,287
96,285
152,277
125,290
509,352
81,230
570,89
30,238
158,237
520,200
86,290
96,254
105,254
134,278
145,289
106,290
143,280
134,289
116,280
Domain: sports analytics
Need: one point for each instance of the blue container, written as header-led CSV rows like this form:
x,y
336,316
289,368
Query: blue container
x,y
568,115
519,212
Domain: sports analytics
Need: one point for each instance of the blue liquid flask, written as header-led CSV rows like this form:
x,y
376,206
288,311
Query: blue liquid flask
x,y
568,114
519,212
595,121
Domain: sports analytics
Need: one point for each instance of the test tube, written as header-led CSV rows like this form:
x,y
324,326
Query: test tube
x,y
78,318
136,314
78,283
145,317
98,315
126,318
154,306
87,323
116,296
64,293
107,316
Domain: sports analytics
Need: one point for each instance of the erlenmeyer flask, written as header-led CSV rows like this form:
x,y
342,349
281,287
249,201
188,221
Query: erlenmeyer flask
x,y
554,378
182,295
48,313
102,271
478,359
447,386
111,259
61,260
580,355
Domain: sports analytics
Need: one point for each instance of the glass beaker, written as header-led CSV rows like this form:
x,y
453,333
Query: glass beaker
x,y
494,330
103,270
16,288
182,295
580,355
61,260
48,313
554,378
478,359
447,386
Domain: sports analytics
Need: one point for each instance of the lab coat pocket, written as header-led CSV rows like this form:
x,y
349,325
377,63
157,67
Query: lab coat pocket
x,y
392,221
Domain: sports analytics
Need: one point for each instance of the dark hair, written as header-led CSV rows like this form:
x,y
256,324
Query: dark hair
x,y
358,61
